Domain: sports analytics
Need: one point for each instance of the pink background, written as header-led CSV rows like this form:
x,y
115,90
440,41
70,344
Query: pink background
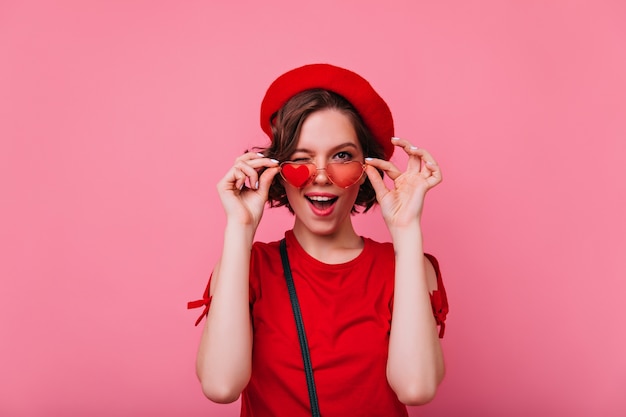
x,y
117,119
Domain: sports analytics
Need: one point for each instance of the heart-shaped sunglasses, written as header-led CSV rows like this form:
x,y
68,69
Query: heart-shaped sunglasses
x,y
342,174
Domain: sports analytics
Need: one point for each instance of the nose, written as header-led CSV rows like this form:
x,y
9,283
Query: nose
x,y
320,176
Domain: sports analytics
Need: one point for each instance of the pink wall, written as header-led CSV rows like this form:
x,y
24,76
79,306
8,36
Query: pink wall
x,y
117,119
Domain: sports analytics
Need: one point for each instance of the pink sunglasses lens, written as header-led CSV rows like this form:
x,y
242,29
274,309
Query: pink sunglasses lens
x,y
345,174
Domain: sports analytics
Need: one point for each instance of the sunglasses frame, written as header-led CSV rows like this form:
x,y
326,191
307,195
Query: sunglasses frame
x,y
311,176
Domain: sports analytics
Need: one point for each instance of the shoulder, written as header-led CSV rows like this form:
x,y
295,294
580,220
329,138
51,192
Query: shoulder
x,y
379,254
263,253
262,247
384,251
265,268
378,248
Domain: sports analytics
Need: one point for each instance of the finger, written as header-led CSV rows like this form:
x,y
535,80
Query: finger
x,y
401,143
265,180
415,154
377,182
238,178
429,165
408,147
259,163
387,166
418,158
262,162
429,170
245,171
433,176
233,180
250,169
256,160
422,153
249,155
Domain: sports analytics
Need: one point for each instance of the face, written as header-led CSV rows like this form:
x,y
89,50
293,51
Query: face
x,y
321,204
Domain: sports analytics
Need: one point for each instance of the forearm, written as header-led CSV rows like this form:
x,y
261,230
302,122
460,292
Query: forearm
x,y
415,364
224,357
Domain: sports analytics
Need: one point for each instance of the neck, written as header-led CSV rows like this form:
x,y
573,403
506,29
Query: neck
x,y
337,247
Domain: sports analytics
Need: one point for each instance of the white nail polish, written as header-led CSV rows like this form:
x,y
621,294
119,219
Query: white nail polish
x,y
414,148
395,138
256,185
274,161
260,154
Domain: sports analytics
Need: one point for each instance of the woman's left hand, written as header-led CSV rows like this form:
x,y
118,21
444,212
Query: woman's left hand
x,y
402,205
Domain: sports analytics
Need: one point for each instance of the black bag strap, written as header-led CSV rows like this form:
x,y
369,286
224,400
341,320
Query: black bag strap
x,y
304,346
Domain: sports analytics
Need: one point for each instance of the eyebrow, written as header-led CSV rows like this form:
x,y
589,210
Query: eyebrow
x,y
343,145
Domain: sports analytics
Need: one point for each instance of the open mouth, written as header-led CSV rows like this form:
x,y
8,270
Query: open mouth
x,y
321,202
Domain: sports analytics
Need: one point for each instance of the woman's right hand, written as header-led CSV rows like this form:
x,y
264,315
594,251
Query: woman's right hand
x,y
243,191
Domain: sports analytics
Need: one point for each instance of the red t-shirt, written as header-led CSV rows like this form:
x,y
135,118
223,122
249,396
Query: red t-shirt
x,y
346,310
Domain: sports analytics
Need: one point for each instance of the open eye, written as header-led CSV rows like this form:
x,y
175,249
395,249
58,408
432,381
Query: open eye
x,y
343,156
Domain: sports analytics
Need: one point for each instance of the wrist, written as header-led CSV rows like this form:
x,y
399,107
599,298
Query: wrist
x,y
407,237
242,233
406,230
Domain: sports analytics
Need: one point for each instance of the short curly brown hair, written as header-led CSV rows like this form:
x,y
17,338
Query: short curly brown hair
x,y
287,124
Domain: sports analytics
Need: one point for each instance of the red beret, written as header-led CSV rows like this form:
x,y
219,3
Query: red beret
x,y
370,106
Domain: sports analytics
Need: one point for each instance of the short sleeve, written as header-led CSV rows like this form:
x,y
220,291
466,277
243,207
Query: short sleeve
x,y
205,301
254,273
439,299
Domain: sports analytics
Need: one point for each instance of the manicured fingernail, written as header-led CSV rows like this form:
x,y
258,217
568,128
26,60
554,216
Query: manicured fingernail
x,y
256,185
414,148
368,159
274,161
395,138
430,163
260,154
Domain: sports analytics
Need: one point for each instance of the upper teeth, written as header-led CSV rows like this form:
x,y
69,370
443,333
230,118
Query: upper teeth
x,y
319,198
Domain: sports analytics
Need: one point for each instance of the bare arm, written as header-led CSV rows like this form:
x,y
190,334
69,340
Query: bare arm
x,y
224,357
415,365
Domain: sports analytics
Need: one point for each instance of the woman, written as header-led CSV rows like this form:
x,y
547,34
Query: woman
x,y
367,307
